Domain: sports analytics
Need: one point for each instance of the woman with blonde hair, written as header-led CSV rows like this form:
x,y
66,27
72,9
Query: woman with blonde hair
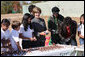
x,y
39,27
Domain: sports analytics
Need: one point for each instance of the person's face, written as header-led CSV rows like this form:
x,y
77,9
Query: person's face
x,y
29,20
55,14
37,15
4,27
18,28
82,20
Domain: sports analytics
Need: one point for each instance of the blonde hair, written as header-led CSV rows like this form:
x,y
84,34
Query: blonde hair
x,y
36,9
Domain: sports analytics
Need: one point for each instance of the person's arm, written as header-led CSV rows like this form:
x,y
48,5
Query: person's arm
x,y
33,36
34,27
9,42
45,26
60,30
49,24
22,37
17,43
79,34
2,41
77,39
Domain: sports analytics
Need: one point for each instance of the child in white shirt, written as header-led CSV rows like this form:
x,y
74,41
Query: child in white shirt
x,y
5,34
81,30
15,35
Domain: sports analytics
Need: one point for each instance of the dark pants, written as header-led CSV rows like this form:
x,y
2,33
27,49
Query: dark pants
x,y
40,41
31,44
73,42
28,44
55,39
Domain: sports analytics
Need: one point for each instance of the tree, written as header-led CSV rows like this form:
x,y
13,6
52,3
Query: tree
x,y
8,6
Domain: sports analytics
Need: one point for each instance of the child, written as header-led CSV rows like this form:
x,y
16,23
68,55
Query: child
x,y
26,32
39,27
81,30
15,35
5,33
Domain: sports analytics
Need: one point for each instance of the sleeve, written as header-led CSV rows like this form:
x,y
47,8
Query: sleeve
x,y
61,17
49,24
33,26
2,36
35,32
15,36
45,26
74,29
1,45
7,34
78,28
32,30
21,30
60,31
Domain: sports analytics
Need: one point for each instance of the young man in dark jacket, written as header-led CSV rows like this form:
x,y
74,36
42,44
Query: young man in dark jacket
x,y
53,24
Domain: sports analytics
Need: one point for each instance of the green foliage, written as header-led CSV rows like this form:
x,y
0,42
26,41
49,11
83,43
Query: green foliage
x,y
7,7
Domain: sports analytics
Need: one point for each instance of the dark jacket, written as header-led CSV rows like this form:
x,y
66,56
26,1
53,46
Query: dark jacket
x,y
63,31
51,22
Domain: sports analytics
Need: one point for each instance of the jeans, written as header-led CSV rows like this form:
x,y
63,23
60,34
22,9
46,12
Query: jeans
x,y
81,41
73,42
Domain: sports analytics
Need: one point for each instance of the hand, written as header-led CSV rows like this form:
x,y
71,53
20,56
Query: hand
x,y
47,31
78,45
42,33
62,39
8,40
32,39
54,44
35,39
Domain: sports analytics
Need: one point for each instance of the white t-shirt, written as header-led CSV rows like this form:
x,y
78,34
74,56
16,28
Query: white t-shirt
x,y
15,35
27,33
81,29
14,39
13,43
5,34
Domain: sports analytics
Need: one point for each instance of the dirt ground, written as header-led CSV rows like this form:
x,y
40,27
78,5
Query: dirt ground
x,y
19,16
